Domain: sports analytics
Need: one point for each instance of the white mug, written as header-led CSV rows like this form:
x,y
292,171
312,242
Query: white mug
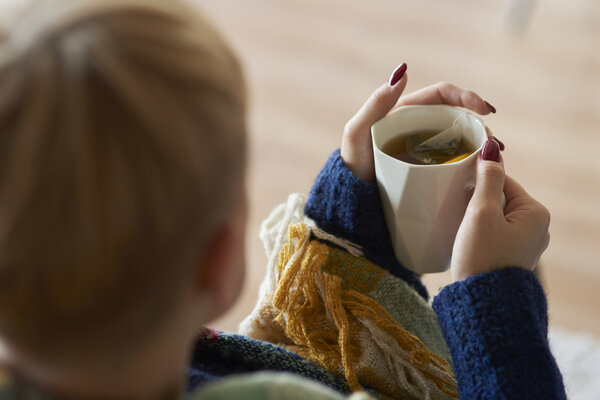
x,y
424,204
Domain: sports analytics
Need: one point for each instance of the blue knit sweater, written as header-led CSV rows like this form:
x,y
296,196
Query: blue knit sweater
x,y
495,324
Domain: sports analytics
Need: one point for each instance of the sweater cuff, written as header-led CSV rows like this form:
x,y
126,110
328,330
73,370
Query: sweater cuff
x,y
496,325
350,208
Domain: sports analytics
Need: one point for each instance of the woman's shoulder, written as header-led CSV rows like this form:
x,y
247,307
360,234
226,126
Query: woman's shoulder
x,y
269,385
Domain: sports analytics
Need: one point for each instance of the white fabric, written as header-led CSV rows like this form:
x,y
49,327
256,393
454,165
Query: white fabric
x,y
578,357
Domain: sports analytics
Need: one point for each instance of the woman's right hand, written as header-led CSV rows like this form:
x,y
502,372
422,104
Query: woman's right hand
x,y
490,237
357,150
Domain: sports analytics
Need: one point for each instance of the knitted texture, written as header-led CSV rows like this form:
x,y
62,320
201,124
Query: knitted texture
x,y
330,307
496,327
347,207
218,354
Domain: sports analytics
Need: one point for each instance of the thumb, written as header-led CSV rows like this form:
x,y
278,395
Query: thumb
x,y
379,103
490,176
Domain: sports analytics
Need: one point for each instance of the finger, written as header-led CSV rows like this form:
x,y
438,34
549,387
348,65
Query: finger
x,y
489,133
378,104
513,190
489,181
491,136
446,93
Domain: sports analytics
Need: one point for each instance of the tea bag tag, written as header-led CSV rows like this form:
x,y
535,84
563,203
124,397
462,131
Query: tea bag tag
x,y
449,138
440,147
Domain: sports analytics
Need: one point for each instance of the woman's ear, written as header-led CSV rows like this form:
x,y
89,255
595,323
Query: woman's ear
x,y
220,272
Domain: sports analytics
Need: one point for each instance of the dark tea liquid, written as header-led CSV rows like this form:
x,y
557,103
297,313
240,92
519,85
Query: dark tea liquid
x,y
397,147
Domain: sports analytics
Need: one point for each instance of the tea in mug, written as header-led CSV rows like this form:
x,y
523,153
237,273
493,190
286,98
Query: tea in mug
x,y
408,148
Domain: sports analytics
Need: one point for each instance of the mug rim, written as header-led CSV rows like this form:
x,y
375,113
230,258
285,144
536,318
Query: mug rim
x,y
476,152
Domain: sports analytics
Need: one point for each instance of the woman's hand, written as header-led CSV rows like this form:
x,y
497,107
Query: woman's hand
x,y
357,150
491,237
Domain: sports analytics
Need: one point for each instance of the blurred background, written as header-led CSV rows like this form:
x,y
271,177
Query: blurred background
x,y
311,64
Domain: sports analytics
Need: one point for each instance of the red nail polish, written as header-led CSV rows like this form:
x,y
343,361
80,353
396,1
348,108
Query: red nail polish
x,y
499,143
491,107
490,151
397,74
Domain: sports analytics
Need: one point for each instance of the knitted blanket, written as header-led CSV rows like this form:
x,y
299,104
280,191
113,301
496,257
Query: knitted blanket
x,y
220,354
323,301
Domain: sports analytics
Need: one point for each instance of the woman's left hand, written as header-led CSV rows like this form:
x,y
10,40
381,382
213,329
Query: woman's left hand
x,y
492,236
357,150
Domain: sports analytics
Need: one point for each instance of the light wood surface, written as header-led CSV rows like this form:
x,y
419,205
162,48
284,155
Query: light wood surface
x,y
311,64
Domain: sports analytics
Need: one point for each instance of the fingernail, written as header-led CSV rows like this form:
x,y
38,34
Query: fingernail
x,y
491,107
397,74
499,143
490,151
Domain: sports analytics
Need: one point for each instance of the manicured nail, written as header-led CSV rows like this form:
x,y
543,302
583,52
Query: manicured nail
x,y
499,143
397,74
491,107
490,151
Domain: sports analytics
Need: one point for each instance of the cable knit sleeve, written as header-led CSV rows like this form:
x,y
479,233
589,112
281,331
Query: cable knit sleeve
x,y
495,325
350,208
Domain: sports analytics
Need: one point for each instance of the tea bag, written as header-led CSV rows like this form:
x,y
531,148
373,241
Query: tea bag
x,y
439,148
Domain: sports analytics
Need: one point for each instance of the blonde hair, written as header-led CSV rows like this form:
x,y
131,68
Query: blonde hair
x,y
122,146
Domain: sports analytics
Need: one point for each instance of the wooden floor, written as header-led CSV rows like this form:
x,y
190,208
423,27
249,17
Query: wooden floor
x,y
311,64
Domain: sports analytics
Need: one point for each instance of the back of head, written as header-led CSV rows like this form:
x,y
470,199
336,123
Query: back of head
x,y
115,116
